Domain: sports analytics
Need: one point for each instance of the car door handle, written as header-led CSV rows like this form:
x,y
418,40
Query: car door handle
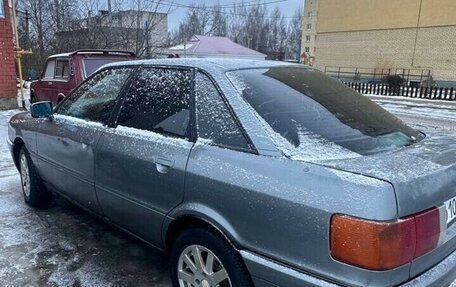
x,y
163,164
49,83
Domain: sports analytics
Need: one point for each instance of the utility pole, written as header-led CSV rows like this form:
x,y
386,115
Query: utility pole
x,y
147,38
27,29
19,52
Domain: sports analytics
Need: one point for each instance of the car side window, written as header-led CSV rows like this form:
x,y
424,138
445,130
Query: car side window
x,y
215,122
95,99
159,101
62,69
50,69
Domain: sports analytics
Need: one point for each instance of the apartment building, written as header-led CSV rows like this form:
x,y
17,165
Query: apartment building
x,y
309,31
387,34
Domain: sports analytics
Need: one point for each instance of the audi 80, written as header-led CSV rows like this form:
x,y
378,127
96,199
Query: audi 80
x,y
248,173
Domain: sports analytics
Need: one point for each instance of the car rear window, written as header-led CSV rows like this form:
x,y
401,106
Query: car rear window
x,y
305,107
92,64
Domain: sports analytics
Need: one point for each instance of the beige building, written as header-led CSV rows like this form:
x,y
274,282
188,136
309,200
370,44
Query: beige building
x,y
142,32
309,31
406,34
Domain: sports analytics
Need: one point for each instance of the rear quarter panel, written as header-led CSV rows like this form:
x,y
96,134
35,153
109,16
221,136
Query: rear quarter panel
x,y
282,209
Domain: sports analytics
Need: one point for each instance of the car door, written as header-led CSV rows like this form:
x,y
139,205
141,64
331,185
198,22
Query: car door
x,y
43,88
140,163
65,145
61,85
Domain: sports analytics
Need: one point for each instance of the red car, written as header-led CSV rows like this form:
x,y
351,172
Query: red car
x,y
63,72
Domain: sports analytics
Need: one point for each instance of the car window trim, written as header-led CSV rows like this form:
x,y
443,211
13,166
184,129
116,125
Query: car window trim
x,y
112,123
252,147
107,124
62,79
190,134
43,74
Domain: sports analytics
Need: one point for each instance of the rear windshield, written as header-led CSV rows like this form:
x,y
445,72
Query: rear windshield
x,y
92,64
307,108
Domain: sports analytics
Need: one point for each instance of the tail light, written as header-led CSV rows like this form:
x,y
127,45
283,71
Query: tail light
x,y
378,245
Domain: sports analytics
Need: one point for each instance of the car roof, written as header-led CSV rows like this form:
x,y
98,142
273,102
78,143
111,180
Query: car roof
x,y
210,64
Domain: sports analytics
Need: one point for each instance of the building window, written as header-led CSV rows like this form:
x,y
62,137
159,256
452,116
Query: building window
x,y
307,38
309,14
307,49
315,50
309,26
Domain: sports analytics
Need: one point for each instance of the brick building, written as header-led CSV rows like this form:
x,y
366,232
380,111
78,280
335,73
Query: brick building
x,y
388,34
8,88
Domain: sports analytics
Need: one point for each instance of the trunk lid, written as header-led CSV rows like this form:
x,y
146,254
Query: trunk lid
x,y
423,176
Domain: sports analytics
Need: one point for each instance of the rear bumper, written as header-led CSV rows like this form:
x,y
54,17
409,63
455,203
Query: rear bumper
x,y
267,273
442,274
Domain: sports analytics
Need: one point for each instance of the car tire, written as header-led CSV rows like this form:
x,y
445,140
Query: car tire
x,y
203,243
33,189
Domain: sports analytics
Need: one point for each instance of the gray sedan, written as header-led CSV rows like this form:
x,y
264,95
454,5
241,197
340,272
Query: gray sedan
x,y
248,173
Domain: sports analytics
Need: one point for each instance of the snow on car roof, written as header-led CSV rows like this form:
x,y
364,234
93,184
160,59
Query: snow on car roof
x,y
62,55
210,64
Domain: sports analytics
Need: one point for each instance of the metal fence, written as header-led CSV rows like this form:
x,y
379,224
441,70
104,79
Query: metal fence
x,y
374,75
431,93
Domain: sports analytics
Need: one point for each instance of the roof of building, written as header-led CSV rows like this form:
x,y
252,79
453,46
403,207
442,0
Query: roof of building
x,y
212,45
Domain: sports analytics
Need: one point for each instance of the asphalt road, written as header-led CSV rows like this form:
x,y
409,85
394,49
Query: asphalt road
x,y
64,246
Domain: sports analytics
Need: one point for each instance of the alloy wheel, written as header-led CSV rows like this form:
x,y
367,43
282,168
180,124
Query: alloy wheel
x,y
200,267
25,177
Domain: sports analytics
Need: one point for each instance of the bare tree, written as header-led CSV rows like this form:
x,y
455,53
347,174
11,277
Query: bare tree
x,y
295,35
253,33
202,20
277,31
219,22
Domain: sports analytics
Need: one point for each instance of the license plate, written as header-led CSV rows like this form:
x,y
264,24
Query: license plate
x,y
451,210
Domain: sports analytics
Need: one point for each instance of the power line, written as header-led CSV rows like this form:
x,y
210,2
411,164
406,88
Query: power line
x,y
226,6
231,13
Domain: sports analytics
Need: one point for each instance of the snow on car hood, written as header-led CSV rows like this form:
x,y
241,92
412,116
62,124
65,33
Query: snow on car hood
x,y
423,174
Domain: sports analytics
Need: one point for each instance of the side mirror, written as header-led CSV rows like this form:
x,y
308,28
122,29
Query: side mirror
x,y
41,110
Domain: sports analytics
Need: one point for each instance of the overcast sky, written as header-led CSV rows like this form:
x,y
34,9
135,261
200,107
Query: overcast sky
x,y
176,15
